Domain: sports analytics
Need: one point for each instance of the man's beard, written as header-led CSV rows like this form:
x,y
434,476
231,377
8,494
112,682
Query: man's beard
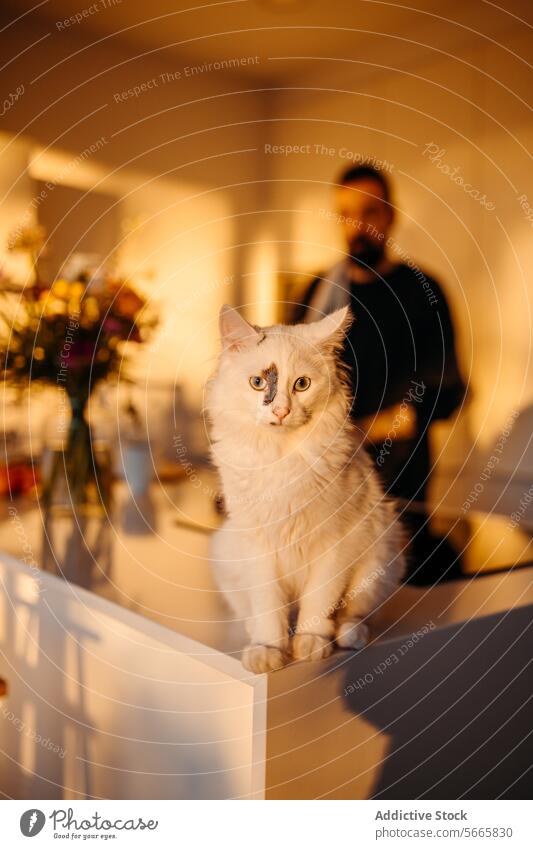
x,y
365,253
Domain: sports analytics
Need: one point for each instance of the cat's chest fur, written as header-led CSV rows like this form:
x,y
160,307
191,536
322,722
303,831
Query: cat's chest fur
x,y
282,486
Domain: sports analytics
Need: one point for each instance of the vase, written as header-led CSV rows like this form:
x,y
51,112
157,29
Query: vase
x,y
138,466
78,474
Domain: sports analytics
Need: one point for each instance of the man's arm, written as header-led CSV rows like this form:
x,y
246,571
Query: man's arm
x,y
441,387
398,422
437,366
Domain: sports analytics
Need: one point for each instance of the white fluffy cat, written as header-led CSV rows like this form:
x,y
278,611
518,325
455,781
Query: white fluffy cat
x,y
309,531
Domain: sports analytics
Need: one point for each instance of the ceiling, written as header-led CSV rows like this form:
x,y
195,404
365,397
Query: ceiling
x,y
285,35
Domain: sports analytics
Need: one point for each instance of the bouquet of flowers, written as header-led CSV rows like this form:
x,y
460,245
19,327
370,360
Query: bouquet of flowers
x,y
71,334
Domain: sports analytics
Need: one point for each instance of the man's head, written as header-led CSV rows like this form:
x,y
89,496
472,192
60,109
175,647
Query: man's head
x,y
363,201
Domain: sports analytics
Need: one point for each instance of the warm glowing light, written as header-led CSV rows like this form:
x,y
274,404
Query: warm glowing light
x,y
261,282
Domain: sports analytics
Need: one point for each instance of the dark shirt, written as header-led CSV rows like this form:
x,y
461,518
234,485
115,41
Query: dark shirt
x,y
402,339
400,346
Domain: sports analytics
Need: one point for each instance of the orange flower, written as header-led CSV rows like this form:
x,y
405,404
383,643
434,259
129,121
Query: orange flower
x,y
61,289
127,302
54,307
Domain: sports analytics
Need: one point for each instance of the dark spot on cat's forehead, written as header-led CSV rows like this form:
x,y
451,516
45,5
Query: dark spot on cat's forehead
x,y
270,374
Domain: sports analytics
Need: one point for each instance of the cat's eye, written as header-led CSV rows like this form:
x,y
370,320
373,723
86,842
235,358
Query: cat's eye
x,y
257,382
302,384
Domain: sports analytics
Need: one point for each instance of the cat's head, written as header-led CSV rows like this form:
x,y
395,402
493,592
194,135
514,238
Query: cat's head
x,y
281,376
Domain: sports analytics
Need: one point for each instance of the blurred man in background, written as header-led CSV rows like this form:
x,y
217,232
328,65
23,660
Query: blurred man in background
x,y
400,349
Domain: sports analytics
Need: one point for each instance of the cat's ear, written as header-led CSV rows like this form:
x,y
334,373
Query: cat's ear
x,y
235,332
331,330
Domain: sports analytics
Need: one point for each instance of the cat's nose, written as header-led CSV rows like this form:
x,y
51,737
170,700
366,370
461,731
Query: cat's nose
x,y
281,412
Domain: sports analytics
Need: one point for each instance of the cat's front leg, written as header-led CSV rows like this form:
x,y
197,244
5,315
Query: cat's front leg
x,y
268,623
314,634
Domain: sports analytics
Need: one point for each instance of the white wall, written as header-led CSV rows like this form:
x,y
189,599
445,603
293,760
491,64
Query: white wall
x,y
181,160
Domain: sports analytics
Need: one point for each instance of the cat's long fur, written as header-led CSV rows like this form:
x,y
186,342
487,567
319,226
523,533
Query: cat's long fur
x,y
308,526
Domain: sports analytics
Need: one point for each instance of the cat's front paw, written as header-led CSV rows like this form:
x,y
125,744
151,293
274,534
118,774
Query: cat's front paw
x,y
262,658
352,634
311,647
